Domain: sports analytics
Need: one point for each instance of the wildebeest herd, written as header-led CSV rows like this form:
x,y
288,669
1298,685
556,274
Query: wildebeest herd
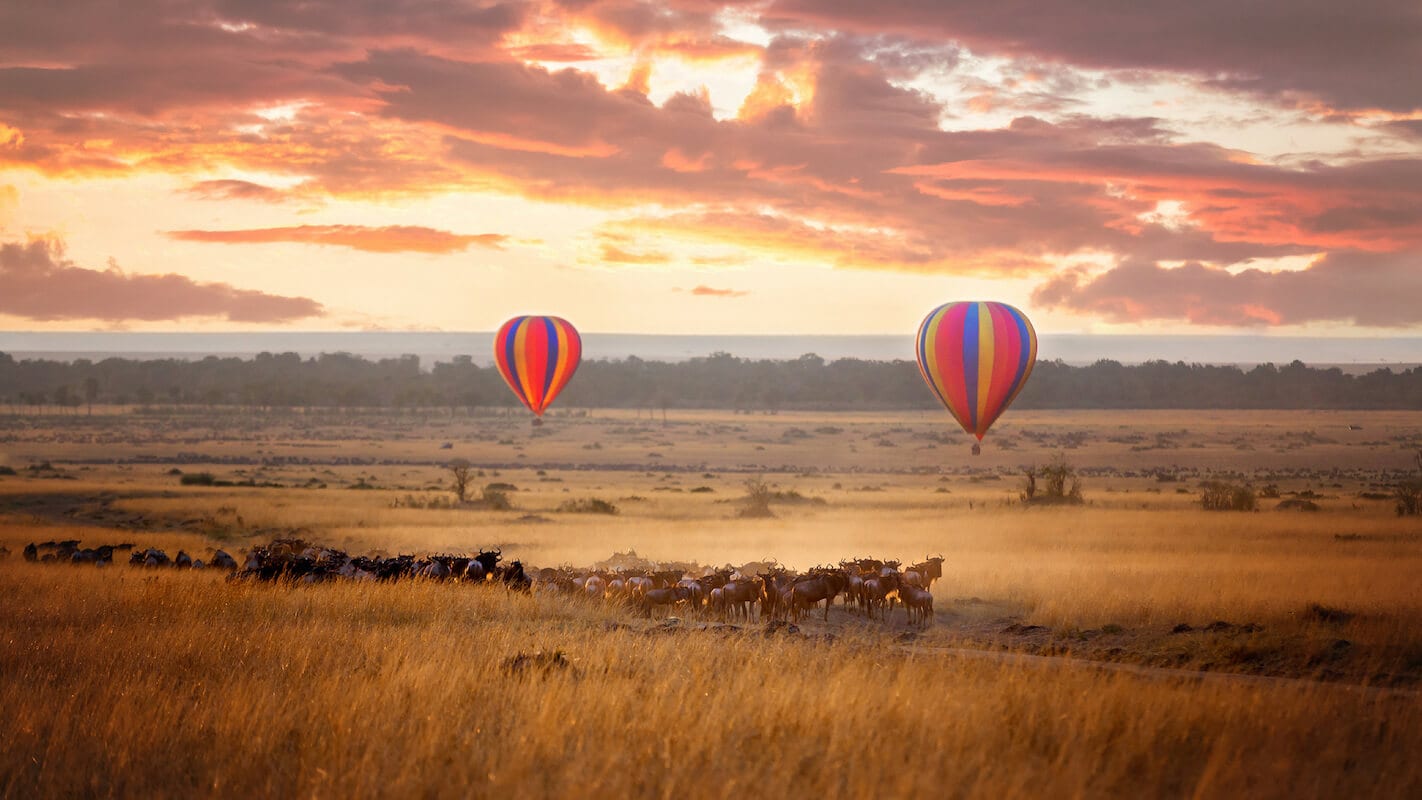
x,y
869,586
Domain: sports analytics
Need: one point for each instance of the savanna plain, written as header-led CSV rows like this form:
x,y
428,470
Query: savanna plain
x,y
1134,644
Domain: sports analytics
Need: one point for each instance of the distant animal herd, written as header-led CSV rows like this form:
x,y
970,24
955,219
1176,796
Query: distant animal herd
x,y
763,590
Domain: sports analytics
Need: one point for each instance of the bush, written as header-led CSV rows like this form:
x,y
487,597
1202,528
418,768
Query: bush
x,y
1221,496
757,499
7,470
1408,494
495,499
591,505
198,479
1059,484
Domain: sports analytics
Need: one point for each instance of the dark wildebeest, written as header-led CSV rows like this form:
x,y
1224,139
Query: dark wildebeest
x,y
925,572
809,590
668,596
221,560
32,552
918,603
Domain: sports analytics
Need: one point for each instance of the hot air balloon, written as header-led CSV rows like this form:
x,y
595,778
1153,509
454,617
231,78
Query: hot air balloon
x,y
537,356
976,357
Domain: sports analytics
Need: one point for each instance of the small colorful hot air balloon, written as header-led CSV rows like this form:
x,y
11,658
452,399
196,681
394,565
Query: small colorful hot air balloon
x,y
537,356
976,358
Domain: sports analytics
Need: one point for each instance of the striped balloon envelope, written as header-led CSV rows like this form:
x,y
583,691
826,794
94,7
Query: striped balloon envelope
x,y
976,357
537,356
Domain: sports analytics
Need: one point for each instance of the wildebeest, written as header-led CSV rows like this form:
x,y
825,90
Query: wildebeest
x,y
918,603
221,560
809,590
668,596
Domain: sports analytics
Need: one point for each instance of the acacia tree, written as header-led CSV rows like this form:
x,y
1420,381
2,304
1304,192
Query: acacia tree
x,y
459,470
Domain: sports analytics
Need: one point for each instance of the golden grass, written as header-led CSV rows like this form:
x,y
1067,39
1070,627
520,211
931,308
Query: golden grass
x,y
167,684
139,683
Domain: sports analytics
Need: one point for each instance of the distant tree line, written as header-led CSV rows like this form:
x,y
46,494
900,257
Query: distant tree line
x,y
717,381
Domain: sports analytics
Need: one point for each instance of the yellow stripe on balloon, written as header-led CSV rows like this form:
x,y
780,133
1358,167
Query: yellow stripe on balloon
x,y
519,343
931,354
985,353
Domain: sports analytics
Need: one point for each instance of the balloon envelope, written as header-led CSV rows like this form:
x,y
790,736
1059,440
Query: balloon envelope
x,y
976,357
537,356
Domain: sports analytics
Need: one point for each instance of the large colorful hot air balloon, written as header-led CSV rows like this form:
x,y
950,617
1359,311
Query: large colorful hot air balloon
x,y
537,356
976,357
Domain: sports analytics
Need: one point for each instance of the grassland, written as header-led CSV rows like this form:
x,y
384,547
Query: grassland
x,y
1057,665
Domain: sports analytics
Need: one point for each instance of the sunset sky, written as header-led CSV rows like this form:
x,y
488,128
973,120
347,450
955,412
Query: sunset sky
x,y
788,166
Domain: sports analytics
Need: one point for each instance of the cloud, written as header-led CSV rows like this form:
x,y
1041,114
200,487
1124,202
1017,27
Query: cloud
x,y
1357,288
613,254
37,283
387,239
707,291
236,190
1359,56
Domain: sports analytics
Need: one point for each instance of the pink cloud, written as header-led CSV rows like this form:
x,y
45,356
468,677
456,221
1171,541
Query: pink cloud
x,y
37,283
707,291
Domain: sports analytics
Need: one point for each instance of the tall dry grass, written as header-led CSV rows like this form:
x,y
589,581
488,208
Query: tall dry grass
x,y
168,684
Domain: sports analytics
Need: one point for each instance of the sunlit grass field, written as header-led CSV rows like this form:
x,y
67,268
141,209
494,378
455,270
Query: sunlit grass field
x,y
123,681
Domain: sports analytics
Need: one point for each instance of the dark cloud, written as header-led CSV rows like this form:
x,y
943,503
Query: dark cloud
x,y
384,239
1357,288
1356,55
38,283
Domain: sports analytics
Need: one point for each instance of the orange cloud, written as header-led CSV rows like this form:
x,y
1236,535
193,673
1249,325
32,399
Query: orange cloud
x,y
236,190
388,239
616,255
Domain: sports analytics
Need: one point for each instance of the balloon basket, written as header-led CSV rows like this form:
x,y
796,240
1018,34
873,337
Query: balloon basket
x,y
537,422
977,449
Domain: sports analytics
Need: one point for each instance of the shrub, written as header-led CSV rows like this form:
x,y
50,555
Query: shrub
x,y
757,499
7,470
1408,494
495,499
1059,484
1221,496
198,479
590,505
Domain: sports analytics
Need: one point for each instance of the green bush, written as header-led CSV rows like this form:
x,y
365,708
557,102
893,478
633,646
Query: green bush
x,y
198,479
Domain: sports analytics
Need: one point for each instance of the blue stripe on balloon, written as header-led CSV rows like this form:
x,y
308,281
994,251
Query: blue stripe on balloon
x,y
550,368
970,362
511,358
1024,351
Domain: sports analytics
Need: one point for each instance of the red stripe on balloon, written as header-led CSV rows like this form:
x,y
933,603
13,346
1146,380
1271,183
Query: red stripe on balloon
x,y
949,344
535,364
1007,349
